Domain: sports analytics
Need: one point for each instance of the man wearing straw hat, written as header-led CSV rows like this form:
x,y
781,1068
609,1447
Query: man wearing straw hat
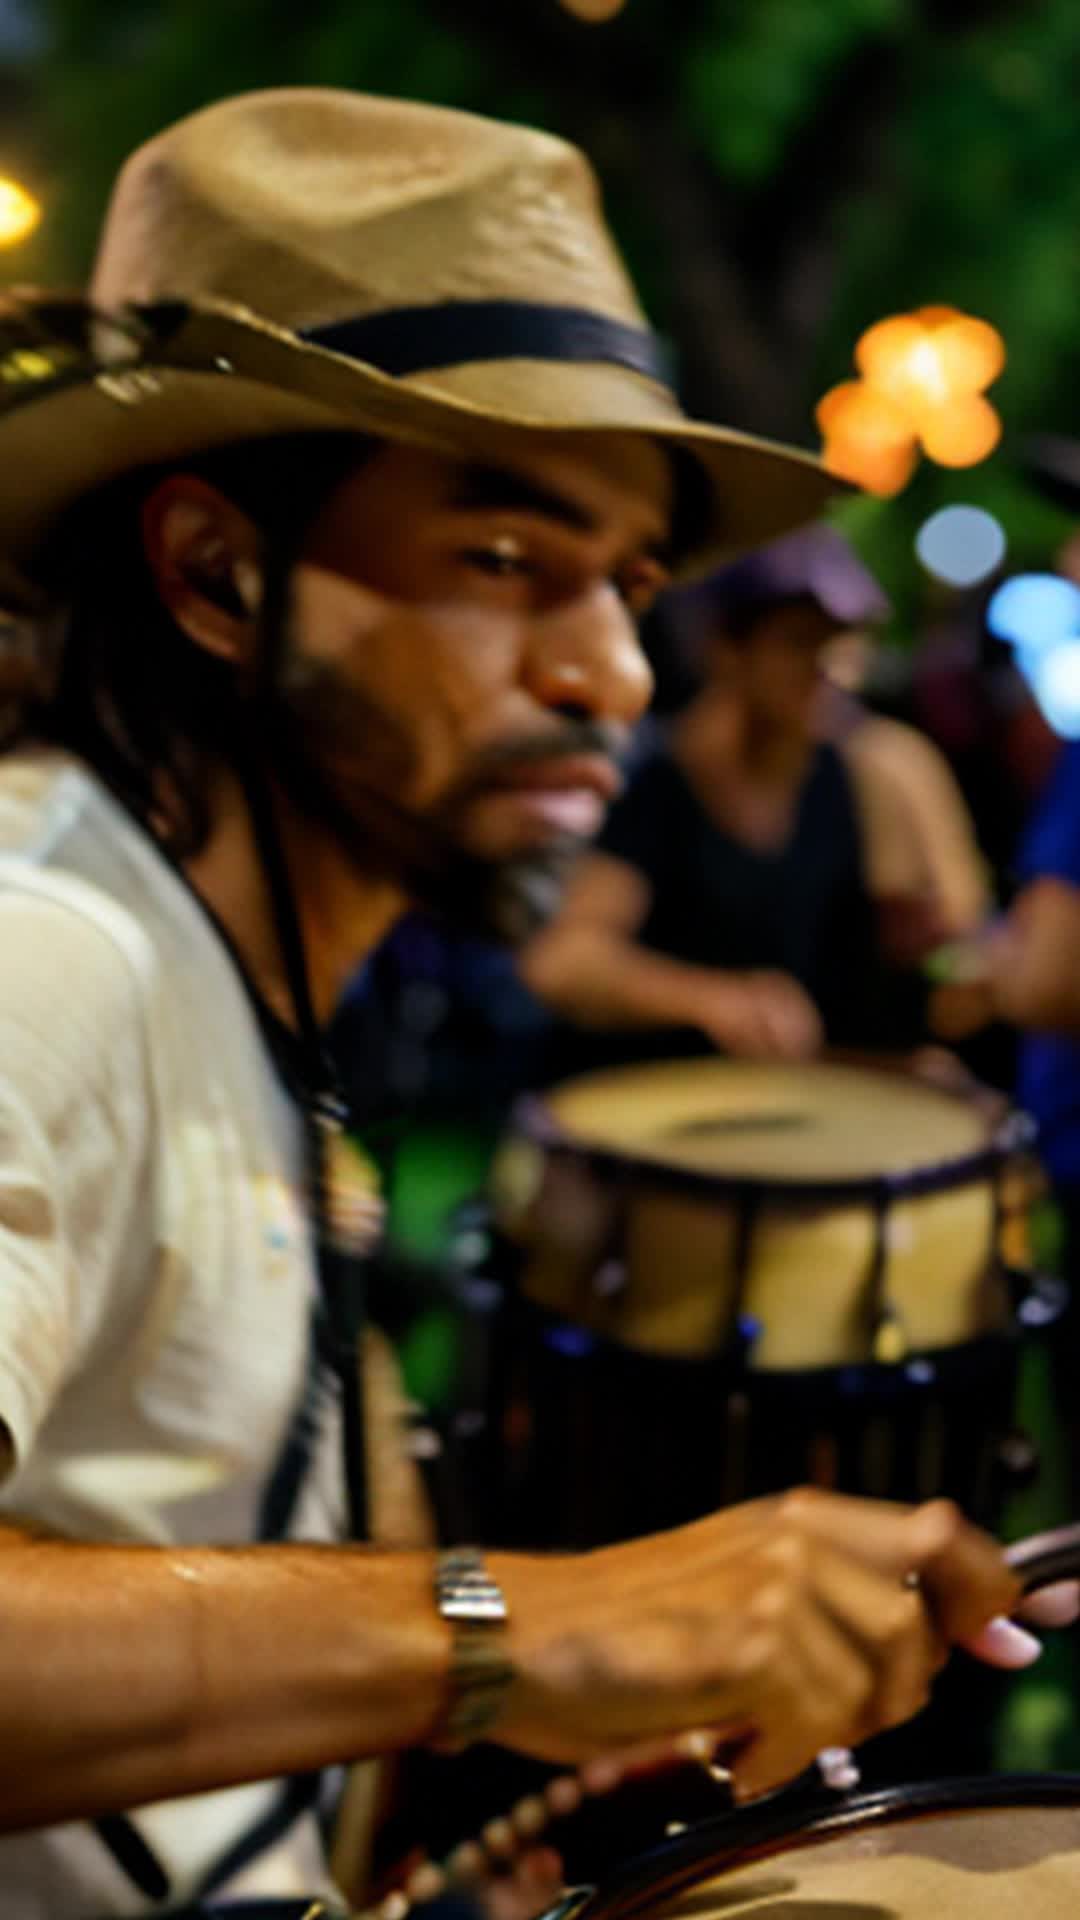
x,y
330,512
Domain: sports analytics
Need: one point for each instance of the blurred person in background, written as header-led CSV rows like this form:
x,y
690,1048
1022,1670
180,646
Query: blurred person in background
x,y
1023,968
767,880
925,871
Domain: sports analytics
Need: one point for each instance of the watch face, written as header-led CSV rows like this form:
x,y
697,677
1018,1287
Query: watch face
x,y
484,1606
477,1599
465,1590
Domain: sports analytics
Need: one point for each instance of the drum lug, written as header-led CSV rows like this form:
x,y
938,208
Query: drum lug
x,y
1018,1459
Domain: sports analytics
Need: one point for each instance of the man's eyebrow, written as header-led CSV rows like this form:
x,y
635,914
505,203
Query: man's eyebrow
x,y
478,488
486,489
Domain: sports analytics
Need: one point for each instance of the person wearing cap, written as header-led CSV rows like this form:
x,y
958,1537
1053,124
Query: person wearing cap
x,y
334,506
731,900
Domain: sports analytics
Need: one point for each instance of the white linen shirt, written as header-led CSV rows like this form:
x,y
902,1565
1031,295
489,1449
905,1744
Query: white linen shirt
x,y
156,1273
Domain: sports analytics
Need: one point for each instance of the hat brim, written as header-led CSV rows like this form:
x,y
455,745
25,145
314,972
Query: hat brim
x,y
219,375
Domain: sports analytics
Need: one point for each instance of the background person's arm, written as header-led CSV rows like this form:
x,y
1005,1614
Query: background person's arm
x,y
1024,968
590,966
1035,958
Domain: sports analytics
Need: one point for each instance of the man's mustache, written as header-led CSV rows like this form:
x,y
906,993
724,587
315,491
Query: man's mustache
x,y
570,740
421,851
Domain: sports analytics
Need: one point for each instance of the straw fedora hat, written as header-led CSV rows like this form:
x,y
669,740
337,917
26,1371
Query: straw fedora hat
x,y
314,259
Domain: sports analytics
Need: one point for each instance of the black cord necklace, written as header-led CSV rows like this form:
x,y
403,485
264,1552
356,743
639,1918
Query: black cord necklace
x,y
308,1067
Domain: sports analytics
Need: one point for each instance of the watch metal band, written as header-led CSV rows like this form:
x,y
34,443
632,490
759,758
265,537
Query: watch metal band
x,y
480,1671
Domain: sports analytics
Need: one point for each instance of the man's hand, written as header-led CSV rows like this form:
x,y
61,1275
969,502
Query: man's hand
x,y
785,1626
759,1016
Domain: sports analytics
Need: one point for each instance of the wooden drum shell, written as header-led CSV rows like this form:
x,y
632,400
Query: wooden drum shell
x,y
831,1215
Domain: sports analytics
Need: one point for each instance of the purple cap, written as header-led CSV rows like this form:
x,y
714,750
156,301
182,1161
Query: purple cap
x,y
816,563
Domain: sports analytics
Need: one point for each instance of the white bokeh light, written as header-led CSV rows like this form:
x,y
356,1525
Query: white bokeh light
x,y
961,545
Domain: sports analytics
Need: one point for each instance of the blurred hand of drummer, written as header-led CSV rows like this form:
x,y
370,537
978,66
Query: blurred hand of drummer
x,y
785,1625
758,1016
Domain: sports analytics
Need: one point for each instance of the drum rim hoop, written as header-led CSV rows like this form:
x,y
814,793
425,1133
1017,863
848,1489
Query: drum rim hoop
x,y
737,1839
532,1116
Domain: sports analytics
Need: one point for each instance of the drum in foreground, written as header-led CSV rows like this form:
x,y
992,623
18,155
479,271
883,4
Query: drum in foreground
x,y
991,1849
732,1277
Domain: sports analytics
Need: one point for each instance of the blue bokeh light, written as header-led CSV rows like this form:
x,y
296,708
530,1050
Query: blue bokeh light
x,y
1054,679
1034,611
1039,615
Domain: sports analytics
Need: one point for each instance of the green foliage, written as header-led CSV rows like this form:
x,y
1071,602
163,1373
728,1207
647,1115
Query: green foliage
x,y
840,159
983,196
751,73
155,62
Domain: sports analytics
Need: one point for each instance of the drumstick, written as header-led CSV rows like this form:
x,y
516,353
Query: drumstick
x,y
1039,1561
1044,1558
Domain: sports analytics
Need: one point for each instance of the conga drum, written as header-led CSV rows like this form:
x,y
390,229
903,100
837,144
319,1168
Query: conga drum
x,y
727,1278
990,1849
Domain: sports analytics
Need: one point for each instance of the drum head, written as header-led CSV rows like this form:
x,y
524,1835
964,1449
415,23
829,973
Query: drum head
x,y
820,1124
996,1849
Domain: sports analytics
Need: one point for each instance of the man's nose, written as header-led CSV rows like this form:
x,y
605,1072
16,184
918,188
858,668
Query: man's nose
x,y
588,656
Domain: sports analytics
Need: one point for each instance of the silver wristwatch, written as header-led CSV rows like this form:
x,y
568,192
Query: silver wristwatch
x,y
480,1672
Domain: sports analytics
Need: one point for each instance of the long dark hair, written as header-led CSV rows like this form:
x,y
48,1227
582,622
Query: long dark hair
x,y
107,673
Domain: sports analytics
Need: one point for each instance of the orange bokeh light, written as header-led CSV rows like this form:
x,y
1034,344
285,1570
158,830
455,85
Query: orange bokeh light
x,y
972,353
883,470
893,357
961,433
860,411
922,380
593,9
868,440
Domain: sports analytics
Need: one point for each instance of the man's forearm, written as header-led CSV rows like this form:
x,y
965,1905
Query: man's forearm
x,y
606,981
132,1674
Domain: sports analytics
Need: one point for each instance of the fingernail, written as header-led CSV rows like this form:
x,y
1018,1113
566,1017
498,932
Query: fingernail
x,y
1004,1642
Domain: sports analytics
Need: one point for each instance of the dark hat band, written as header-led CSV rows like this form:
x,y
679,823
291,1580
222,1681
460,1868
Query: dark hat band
x,y
407,340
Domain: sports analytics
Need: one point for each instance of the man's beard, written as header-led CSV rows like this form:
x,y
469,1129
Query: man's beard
x,y
505,900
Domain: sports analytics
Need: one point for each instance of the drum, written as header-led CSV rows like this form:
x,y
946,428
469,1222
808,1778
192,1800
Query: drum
x,y
981,1849
986,1849
733,1277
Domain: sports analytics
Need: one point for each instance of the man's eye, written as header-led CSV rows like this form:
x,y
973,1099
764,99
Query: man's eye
x,y
499,562
640,593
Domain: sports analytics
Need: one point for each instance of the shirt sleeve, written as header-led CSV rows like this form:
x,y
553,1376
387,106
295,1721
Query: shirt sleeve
x,y
1051,847
74,1125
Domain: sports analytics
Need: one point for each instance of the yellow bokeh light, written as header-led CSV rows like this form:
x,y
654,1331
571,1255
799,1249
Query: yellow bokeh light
x,y
19,212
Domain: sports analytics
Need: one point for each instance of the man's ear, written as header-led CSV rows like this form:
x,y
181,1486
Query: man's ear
x,y
204,555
